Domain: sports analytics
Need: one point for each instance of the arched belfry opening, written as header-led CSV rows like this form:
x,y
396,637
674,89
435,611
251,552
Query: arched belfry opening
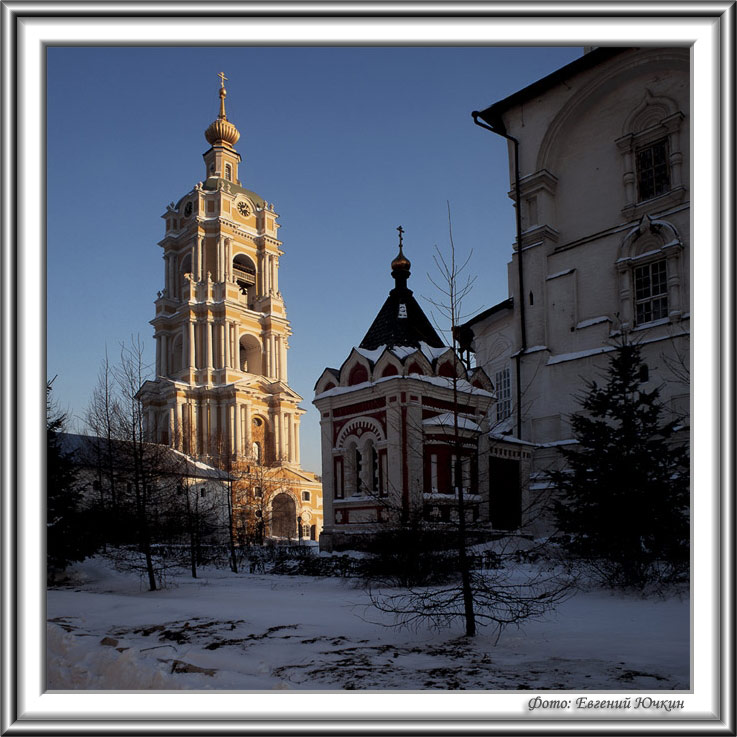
x,y
176,360
185,268
244,272
250,355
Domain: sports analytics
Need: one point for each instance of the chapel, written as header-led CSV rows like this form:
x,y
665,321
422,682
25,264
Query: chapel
x,y
404,428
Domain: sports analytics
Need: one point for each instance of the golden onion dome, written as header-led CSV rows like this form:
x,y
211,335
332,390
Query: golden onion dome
x,y
222,130
401,262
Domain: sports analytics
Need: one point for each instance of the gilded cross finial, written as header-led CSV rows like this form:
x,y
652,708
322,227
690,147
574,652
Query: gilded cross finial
x,y
401,231
223,92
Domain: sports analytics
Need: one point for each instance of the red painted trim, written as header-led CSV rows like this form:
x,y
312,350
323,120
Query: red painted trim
x,y
405,469
359,407
443,404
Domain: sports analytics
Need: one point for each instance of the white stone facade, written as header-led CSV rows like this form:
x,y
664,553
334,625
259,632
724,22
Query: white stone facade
x,y
605,243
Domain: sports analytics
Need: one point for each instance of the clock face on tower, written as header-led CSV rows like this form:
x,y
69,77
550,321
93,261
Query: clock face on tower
x,y
243,209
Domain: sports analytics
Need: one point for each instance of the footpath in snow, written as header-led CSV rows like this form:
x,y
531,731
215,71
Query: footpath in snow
x,y
256,632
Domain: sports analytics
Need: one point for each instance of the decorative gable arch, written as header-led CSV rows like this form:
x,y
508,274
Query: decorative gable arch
x,y
650,112
356,369
417,363
358,428
648,235
328,380
387,365
449,365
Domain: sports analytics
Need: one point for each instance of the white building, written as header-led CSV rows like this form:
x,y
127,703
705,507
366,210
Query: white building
x,y
599,171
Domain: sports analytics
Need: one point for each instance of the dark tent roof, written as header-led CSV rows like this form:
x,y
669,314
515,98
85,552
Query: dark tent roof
x,y
401,321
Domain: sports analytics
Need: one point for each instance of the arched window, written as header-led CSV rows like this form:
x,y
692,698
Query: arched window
x,y
353,468
357,469
650,274
374,469
358,375
228,172
651,154
250,355
446,369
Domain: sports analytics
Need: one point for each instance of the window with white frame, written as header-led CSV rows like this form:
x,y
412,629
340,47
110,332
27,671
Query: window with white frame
x,y
651,292
503,394
651,274
653,170
652,155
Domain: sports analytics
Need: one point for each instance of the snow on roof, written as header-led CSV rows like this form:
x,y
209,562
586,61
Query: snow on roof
x,y
501,437
169,460
192,462
447,419
441,497
372,355
559,273
592,321
556,443
403,351
560,358
443,381
433,353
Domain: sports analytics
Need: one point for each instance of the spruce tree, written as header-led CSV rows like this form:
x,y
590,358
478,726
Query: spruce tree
x,y
623,494
71,533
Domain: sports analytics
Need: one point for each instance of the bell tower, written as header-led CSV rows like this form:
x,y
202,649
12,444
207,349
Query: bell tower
x,y
221,326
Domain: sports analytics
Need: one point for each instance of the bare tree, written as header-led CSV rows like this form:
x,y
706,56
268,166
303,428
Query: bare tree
x,y
142,459
506,582
255,486
103,417
455,284
224,459
198,514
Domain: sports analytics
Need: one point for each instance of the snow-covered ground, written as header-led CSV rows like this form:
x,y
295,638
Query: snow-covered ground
x,y
252,632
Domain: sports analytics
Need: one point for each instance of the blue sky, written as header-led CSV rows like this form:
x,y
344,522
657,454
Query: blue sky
x,y
347,142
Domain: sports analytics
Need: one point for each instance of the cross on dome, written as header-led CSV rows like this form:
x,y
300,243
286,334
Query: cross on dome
x,y
401,264
222,130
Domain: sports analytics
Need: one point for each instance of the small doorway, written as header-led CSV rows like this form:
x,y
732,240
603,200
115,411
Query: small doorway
x,y
505,494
